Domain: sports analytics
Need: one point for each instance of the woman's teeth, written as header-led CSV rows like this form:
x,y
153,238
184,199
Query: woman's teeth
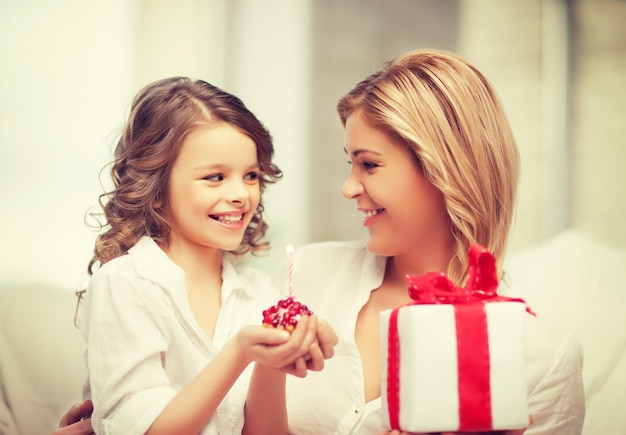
x,y
366,214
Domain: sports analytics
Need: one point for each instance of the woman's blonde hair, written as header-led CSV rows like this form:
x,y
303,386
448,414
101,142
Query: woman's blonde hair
x,y
161,117
449,115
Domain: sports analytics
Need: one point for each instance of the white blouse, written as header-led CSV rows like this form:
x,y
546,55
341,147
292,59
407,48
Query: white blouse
x,y
335,280
144,344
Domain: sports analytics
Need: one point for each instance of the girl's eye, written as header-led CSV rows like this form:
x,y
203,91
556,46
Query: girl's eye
x,y
214,177
252,176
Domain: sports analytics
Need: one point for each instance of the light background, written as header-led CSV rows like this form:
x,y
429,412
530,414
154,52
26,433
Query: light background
x,y
70,69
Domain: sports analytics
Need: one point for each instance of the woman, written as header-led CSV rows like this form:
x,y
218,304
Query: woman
x,y
434,169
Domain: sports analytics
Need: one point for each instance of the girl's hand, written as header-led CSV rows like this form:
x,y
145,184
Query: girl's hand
x,y
278,349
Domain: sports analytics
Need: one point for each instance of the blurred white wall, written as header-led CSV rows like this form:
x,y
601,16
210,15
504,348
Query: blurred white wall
x,y
69,71
559,67
63,89
267,64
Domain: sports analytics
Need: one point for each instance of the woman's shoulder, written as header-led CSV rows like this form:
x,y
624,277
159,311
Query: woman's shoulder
x,y
548,342
339,262
333,251
550,348
554,361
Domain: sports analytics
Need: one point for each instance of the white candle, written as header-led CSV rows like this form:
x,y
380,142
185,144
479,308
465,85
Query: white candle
x,y
290,269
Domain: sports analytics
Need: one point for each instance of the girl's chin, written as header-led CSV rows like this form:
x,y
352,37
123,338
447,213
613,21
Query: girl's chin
x,y
231,246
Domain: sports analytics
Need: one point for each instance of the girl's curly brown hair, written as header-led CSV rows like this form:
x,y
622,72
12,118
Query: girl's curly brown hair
x,y
162,115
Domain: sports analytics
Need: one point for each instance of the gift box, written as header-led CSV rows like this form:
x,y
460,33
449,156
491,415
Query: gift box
x,y
454,359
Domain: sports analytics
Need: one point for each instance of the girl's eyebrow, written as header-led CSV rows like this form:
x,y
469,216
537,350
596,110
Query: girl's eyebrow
x,y
211,166
222,166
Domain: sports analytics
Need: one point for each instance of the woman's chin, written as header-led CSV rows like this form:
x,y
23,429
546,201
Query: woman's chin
x,y
378,247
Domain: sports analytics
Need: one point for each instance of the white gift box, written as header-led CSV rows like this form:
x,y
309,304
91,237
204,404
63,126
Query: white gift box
x,y
440,377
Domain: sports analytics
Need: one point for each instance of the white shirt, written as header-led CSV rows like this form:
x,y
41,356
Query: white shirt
x,y
335,279
144,344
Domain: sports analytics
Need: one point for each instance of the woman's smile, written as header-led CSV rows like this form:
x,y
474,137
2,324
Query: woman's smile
x,y
367,216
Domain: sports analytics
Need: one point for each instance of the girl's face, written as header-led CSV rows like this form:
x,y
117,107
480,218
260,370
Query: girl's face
x,y
213,188
401,210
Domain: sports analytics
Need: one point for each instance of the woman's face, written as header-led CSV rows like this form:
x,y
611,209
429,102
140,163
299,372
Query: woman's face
x,y
214,188
401,210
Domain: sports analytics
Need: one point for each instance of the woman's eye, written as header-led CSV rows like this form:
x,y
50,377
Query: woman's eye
x,y
369,165
214,177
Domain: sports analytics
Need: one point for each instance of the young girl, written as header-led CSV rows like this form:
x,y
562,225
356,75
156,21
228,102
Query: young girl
x,y
167,315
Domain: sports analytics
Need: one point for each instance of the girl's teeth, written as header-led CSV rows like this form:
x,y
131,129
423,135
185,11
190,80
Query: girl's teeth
x,y
230,218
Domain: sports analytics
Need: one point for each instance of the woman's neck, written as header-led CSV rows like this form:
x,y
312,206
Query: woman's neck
x,y
419,263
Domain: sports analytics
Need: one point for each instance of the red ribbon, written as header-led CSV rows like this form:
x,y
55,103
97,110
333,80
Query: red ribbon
x,y
471,334
481,286
393,371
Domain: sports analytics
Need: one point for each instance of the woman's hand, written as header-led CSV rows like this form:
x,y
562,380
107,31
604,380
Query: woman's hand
x,y
327,338
76,421
323,348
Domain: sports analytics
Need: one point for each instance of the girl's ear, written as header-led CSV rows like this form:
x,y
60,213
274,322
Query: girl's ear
x,y
157,202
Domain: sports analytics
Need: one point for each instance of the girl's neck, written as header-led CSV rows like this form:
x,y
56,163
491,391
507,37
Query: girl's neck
x,y
203,280
201,264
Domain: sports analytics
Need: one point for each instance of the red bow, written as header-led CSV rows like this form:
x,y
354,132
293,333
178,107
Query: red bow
x,y
481,286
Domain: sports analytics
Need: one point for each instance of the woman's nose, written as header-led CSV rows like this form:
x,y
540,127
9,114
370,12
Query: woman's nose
x,y
352,187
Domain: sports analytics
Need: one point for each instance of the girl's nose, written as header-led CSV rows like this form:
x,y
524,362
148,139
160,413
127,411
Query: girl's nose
x,y
352,187
238,191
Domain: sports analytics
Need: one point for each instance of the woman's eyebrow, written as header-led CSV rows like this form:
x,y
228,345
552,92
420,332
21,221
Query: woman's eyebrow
x,y
358,151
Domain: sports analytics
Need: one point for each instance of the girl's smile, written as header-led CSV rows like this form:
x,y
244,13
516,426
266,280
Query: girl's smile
x,y
234,221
